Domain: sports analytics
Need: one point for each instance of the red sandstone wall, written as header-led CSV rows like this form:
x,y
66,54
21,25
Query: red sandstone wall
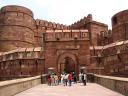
x,y
120,26
19,29
67,43
42,26
16,28
92,26
104,38
94,29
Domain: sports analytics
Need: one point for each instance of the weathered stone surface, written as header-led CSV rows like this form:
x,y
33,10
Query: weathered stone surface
x,y
63,46
120,26
91,89
114,83
16,28
12,87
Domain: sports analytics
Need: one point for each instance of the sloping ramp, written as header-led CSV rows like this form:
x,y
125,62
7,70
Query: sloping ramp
x,y
91,89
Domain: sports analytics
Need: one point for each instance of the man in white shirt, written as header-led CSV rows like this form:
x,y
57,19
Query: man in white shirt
x,y
84,78
80,77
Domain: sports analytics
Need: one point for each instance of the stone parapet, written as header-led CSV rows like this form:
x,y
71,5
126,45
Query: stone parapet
x,y
22,53
114,83
12,87
115,44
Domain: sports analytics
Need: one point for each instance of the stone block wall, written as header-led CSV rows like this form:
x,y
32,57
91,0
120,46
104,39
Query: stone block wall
x,y
120,26
66,43
16,28
117,84
20,63
12,87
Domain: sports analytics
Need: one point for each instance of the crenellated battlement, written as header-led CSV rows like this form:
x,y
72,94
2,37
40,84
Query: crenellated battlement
x,y
19,20
29,46
43,24
82,22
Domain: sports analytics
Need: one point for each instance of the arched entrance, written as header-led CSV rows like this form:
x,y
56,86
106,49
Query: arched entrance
x,y
67,62
68,65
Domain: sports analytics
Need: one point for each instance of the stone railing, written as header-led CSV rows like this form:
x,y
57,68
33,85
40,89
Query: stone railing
x,y
12,87
117,84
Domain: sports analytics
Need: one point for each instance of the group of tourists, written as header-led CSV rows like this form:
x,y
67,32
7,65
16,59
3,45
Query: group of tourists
x,y
66,79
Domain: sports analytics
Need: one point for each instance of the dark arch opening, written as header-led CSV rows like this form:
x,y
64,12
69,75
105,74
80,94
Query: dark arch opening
x,y
66,65
69,65
67,62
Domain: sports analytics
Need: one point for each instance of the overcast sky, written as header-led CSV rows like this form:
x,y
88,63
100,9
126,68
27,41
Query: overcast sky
x,y
70,11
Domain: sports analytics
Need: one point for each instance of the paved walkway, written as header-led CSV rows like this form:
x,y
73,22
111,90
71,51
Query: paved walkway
x,y
91,89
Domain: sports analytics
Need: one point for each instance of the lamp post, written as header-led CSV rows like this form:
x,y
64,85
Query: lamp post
x,y
118,56
83,69
51,70
99,61
43,45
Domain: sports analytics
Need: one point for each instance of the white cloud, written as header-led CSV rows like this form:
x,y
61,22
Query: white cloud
x,y
1,3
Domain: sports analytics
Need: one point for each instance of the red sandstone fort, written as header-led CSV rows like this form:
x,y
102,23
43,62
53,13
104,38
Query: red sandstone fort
x,y
30,47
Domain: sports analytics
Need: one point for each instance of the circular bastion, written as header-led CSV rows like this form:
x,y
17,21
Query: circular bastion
x,y
16,27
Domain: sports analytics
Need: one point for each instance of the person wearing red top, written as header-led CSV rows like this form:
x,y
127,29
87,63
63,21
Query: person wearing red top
x,y
49,80
70,79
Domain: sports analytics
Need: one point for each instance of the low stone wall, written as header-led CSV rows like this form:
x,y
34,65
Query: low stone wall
x,y
117,84
12,87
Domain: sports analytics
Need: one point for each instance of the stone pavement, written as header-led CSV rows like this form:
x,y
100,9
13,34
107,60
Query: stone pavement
x,y
91,89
